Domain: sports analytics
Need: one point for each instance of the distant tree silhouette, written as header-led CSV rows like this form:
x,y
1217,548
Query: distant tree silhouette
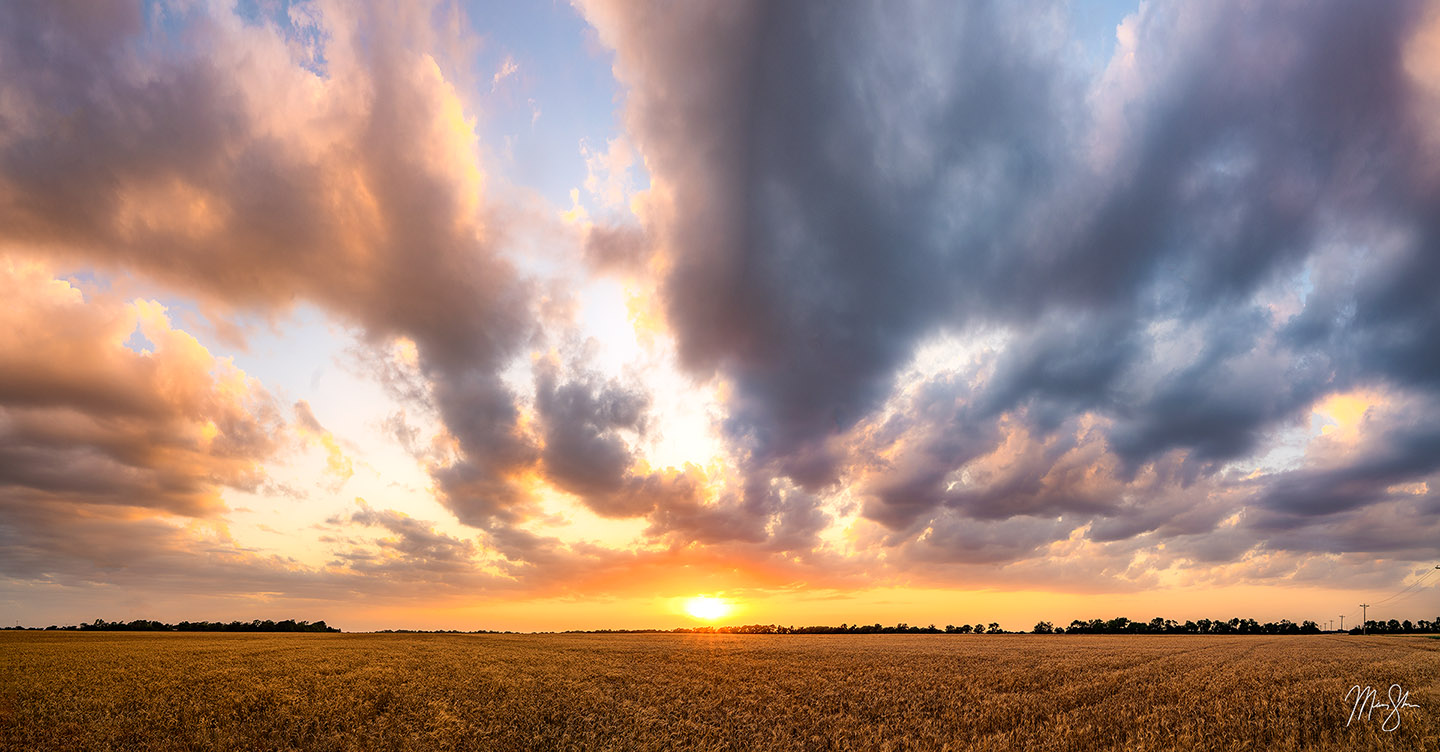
x,y
1397,627
146,625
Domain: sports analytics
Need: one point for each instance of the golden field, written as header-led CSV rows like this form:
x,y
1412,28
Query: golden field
x,y
124,691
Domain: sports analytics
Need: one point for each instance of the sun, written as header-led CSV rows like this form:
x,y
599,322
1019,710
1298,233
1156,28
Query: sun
x,y
706,607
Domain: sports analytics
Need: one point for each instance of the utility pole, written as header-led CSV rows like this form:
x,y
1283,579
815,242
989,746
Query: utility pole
x,y
1364,619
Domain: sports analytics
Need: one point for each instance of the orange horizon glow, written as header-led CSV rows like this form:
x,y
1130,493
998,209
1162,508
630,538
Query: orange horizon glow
x,y
708,608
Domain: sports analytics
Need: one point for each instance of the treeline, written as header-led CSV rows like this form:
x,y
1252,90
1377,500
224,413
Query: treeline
x,y
1122,625
147,625
1118,625
1398,627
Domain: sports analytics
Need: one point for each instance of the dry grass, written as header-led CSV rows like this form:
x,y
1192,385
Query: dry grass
x,y
736,692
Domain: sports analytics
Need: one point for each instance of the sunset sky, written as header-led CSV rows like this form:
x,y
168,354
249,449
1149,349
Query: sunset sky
x,y
532,315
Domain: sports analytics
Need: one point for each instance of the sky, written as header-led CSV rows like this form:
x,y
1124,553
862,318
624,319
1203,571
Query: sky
x,y
550,315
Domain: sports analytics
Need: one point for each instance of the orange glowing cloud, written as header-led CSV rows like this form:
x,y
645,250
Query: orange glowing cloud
x,y
1343,414
160,423
338,466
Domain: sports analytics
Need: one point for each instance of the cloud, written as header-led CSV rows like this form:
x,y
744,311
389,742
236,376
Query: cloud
x,y
1368,485
622,248
221,164
590,428
975,307
117,441
585,452
79,544
93,549
1184,252
337,465
86,418
811,234
414,550
508,68
609,174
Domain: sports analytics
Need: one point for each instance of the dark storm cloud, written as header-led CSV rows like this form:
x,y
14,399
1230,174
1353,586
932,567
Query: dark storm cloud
x,y
1401,530
584,451
1068,363
1243,157
1218,400
1251,121
480,412
848,180
589,426
925,447
1404,454
825,162
837,173
1376,310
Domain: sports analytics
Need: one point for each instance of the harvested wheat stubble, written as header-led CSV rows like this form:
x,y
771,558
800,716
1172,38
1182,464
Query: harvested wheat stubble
x,y
123,691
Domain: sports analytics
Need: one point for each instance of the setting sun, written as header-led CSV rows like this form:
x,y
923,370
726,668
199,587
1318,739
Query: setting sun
x,y
706,607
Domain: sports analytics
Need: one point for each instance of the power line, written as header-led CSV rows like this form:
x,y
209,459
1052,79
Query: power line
x,y
1400,595
1407,596
1411,587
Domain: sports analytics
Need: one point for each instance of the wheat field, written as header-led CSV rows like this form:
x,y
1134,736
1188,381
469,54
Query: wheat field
x,y
133,691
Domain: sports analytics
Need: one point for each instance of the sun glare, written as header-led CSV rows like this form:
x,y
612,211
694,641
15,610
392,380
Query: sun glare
x,y
706,607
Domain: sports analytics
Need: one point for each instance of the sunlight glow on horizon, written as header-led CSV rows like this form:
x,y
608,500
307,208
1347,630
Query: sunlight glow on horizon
x,y
707,608
366,311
